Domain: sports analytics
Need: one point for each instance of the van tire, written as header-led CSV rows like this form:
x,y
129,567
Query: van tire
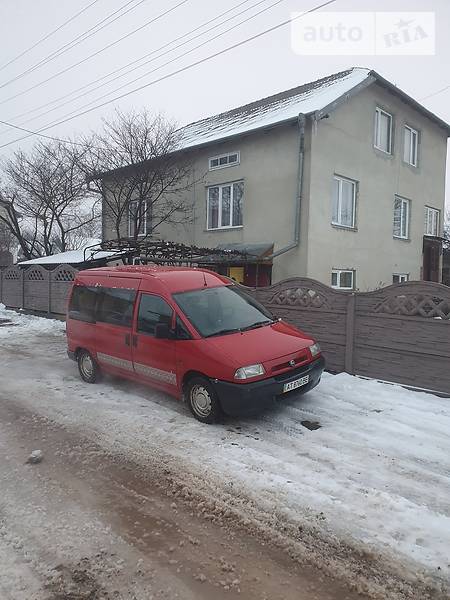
x,y
202,400
88,368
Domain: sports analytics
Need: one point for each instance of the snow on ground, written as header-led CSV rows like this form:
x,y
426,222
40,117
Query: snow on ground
x,y
376,472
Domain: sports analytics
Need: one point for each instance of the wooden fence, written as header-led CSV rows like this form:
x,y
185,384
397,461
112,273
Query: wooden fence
x,y
36,288
400,333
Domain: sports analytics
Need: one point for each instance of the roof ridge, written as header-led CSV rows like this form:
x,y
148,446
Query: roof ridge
x,y
285,94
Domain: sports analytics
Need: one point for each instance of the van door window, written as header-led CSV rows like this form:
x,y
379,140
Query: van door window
x,y
153,310
83,303
116,306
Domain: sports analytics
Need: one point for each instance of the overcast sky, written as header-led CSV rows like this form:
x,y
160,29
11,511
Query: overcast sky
x,y
263,67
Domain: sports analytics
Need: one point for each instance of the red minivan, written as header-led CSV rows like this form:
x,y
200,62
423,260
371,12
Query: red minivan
x,y
190,332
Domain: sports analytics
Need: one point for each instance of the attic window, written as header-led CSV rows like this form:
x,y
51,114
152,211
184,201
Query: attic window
x,y
224,160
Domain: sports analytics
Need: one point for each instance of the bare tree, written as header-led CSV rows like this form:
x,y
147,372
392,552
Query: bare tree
x,y
46,203
447,229
144,181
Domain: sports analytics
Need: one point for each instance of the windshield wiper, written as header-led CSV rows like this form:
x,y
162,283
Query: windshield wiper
x,y
223,332
257,324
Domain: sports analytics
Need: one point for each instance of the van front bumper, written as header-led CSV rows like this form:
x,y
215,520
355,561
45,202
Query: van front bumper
x,y
240,399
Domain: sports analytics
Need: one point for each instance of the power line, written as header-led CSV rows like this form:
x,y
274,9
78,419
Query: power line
x,y
173,73
113,43
48,137
74,42
46,37
172,60
444,89
140,59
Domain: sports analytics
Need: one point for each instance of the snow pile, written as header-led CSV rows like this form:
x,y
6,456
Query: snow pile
x,y
372,473
16,325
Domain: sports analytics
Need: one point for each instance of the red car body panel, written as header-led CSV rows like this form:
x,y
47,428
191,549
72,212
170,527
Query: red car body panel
x,y
164,363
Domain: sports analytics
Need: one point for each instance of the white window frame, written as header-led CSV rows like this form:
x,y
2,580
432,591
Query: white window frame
x,y
339,210
219,219
435,221
404,202
410,155
227,155
402,278
379,111
339,272
131,222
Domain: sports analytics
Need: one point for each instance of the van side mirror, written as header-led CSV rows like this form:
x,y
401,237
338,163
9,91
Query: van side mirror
x,y
162,331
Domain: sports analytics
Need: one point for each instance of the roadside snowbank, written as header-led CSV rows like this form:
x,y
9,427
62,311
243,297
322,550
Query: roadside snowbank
x,y
27,324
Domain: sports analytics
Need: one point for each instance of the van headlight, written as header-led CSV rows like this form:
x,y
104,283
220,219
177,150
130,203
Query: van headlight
x,y
250,371
314,349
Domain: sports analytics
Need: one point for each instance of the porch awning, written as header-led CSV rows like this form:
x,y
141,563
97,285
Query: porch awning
x,y
249,253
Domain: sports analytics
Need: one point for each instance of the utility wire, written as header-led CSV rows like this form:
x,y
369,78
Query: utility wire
x,y
74,42
46,37
73,99
173,73
444,89
172,60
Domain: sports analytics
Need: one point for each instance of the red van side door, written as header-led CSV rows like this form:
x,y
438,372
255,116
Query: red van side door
x,y
115,309
154,360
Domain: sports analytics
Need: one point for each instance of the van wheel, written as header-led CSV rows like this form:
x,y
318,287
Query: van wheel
x,y
203,401
88,368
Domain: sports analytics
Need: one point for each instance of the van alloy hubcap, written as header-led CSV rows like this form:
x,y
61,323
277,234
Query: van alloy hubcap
x,y
87,365
201,400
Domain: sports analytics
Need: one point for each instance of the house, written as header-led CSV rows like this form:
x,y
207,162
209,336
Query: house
x,y
341,180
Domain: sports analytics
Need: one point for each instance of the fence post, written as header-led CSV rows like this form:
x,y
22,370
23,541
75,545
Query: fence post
x,y
350,333
22,273
1,284
49,291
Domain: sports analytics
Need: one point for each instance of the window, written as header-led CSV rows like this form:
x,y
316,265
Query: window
x,y
400,277
410,140
383,131
116,306
432,221
225,205
401,218
83,303
344,201
222,310
137,218
153,310
342,280
224,160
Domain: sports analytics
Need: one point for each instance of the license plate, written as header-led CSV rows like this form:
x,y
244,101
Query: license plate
x,y
293,385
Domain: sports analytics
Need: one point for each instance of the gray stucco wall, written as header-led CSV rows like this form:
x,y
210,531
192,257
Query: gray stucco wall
x,y
343,144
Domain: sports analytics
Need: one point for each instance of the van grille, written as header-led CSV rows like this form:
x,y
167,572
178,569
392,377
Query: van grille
x,y
292,373
284,366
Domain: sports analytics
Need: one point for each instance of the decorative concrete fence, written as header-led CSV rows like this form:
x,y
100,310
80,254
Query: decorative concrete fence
x,y
400,333
36,288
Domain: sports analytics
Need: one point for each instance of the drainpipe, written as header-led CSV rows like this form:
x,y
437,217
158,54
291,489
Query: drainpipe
x,y
301,120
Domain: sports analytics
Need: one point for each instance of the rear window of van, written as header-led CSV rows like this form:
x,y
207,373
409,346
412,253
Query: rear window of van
x,y
83,303
107,305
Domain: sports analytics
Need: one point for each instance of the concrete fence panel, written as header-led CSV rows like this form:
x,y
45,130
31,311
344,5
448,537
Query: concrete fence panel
x,y
61,283
399,334
12,287
36,289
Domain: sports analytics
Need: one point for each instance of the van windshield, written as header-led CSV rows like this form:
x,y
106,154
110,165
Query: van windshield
x,y
222,310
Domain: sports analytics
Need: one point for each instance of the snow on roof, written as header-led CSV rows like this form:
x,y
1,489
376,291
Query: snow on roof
x,y
89,251
306,99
